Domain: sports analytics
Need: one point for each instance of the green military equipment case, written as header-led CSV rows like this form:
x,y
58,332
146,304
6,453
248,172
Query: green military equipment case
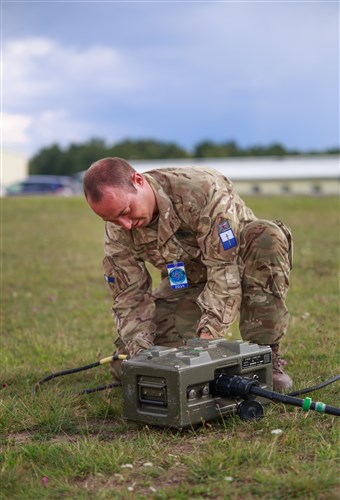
x,y
171,386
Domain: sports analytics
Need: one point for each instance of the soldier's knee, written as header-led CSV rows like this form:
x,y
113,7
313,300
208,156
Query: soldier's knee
x,y
262,235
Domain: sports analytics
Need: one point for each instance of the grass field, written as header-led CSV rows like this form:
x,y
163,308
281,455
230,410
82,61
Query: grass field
x,y
56,315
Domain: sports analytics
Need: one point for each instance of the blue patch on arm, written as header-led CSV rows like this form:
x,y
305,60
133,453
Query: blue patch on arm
x,y
227,238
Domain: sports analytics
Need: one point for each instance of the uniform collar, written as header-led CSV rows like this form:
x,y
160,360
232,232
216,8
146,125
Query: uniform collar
x,y
168,220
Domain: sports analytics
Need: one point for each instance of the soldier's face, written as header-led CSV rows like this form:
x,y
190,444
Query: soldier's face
x,y
128,208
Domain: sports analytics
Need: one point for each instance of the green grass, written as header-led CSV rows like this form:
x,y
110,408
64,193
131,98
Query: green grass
x,y
56,315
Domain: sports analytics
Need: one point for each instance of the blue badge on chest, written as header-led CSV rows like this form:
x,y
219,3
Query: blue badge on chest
x,y
226,235
177,275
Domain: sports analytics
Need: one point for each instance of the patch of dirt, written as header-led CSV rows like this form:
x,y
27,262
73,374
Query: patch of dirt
x,y
29,437
136,480
111,429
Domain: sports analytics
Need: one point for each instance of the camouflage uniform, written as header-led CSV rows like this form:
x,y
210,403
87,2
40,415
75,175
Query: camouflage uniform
x,y
196,207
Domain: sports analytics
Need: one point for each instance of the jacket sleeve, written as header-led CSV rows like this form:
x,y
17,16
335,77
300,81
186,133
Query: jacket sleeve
x,y
133,306
218,237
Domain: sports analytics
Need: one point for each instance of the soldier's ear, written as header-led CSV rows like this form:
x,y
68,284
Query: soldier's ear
x,y
138,179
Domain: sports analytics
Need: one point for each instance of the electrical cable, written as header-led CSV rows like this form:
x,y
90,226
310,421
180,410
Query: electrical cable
x,y
306,404
79,369
224,385
314,387
233,386
99,388
295,393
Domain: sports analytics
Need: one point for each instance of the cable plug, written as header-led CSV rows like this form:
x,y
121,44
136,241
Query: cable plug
x,y
233,386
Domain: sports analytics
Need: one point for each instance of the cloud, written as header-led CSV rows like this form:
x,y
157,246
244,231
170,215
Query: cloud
x,y
37,71
55,93
21,131
58,126
256,72
252,47
15,129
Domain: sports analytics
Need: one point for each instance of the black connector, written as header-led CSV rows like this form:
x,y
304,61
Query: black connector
x,y
233,386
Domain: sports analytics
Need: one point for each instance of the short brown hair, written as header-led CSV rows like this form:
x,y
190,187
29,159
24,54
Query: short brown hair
x,y
107,172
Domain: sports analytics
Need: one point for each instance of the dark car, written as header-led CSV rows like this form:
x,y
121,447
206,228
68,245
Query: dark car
x,y
43,185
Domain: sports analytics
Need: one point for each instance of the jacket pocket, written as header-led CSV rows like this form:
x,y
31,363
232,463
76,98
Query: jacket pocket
x,y
288,233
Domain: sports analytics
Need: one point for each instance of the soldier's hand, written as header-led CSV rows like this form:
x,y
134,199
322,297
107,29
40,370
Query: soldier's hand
x,y
205,334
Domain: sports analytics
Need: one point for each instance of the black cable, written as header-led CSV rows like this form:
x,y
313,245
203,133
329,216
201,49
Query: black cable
x,y
223,385
290,400
99,388
76,370
315,387
236,386
64,372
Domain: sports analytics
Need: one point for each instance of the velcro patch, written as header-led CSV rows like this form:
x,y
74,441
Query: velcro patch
x,y
177,275
227,236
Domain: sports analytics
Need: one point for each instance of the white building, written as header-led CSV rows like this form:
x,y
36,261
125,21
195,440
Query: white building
x,y
296,175
14,167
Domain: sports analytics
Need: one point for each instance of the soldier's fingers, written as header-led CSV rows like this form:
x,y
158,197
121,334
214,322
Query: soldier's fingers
x,y
206,335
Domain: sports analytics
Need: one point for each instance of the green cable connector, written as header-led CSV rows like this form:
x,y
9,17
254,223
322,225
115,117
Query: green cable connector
x,y
306,404
320,407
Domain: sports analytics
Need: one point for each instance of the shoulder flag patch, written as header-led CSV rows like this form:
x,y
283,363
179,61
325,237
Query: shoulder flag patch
x,y
227,236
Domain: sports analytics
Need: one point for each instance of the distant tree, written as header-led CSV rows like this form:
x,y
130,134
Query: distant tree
x,y
276,149
209,149
49,161
332,151
78,157
147,149
232,149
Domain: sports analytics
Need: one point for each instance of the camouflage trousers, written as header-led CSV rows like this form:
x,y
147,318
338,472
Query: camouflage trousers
x,y
265,261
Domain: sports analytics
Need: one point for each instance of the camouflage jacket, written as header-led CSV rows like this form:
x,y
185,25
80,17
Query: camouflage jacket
x,y
197,209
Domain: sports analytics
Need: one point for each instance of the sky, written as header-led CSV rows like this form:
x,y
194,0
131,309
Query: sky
x,y
255,72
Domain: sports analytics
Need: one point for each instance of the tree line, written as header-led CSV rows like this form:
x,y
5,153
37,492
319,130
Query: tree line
x,y
54,160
